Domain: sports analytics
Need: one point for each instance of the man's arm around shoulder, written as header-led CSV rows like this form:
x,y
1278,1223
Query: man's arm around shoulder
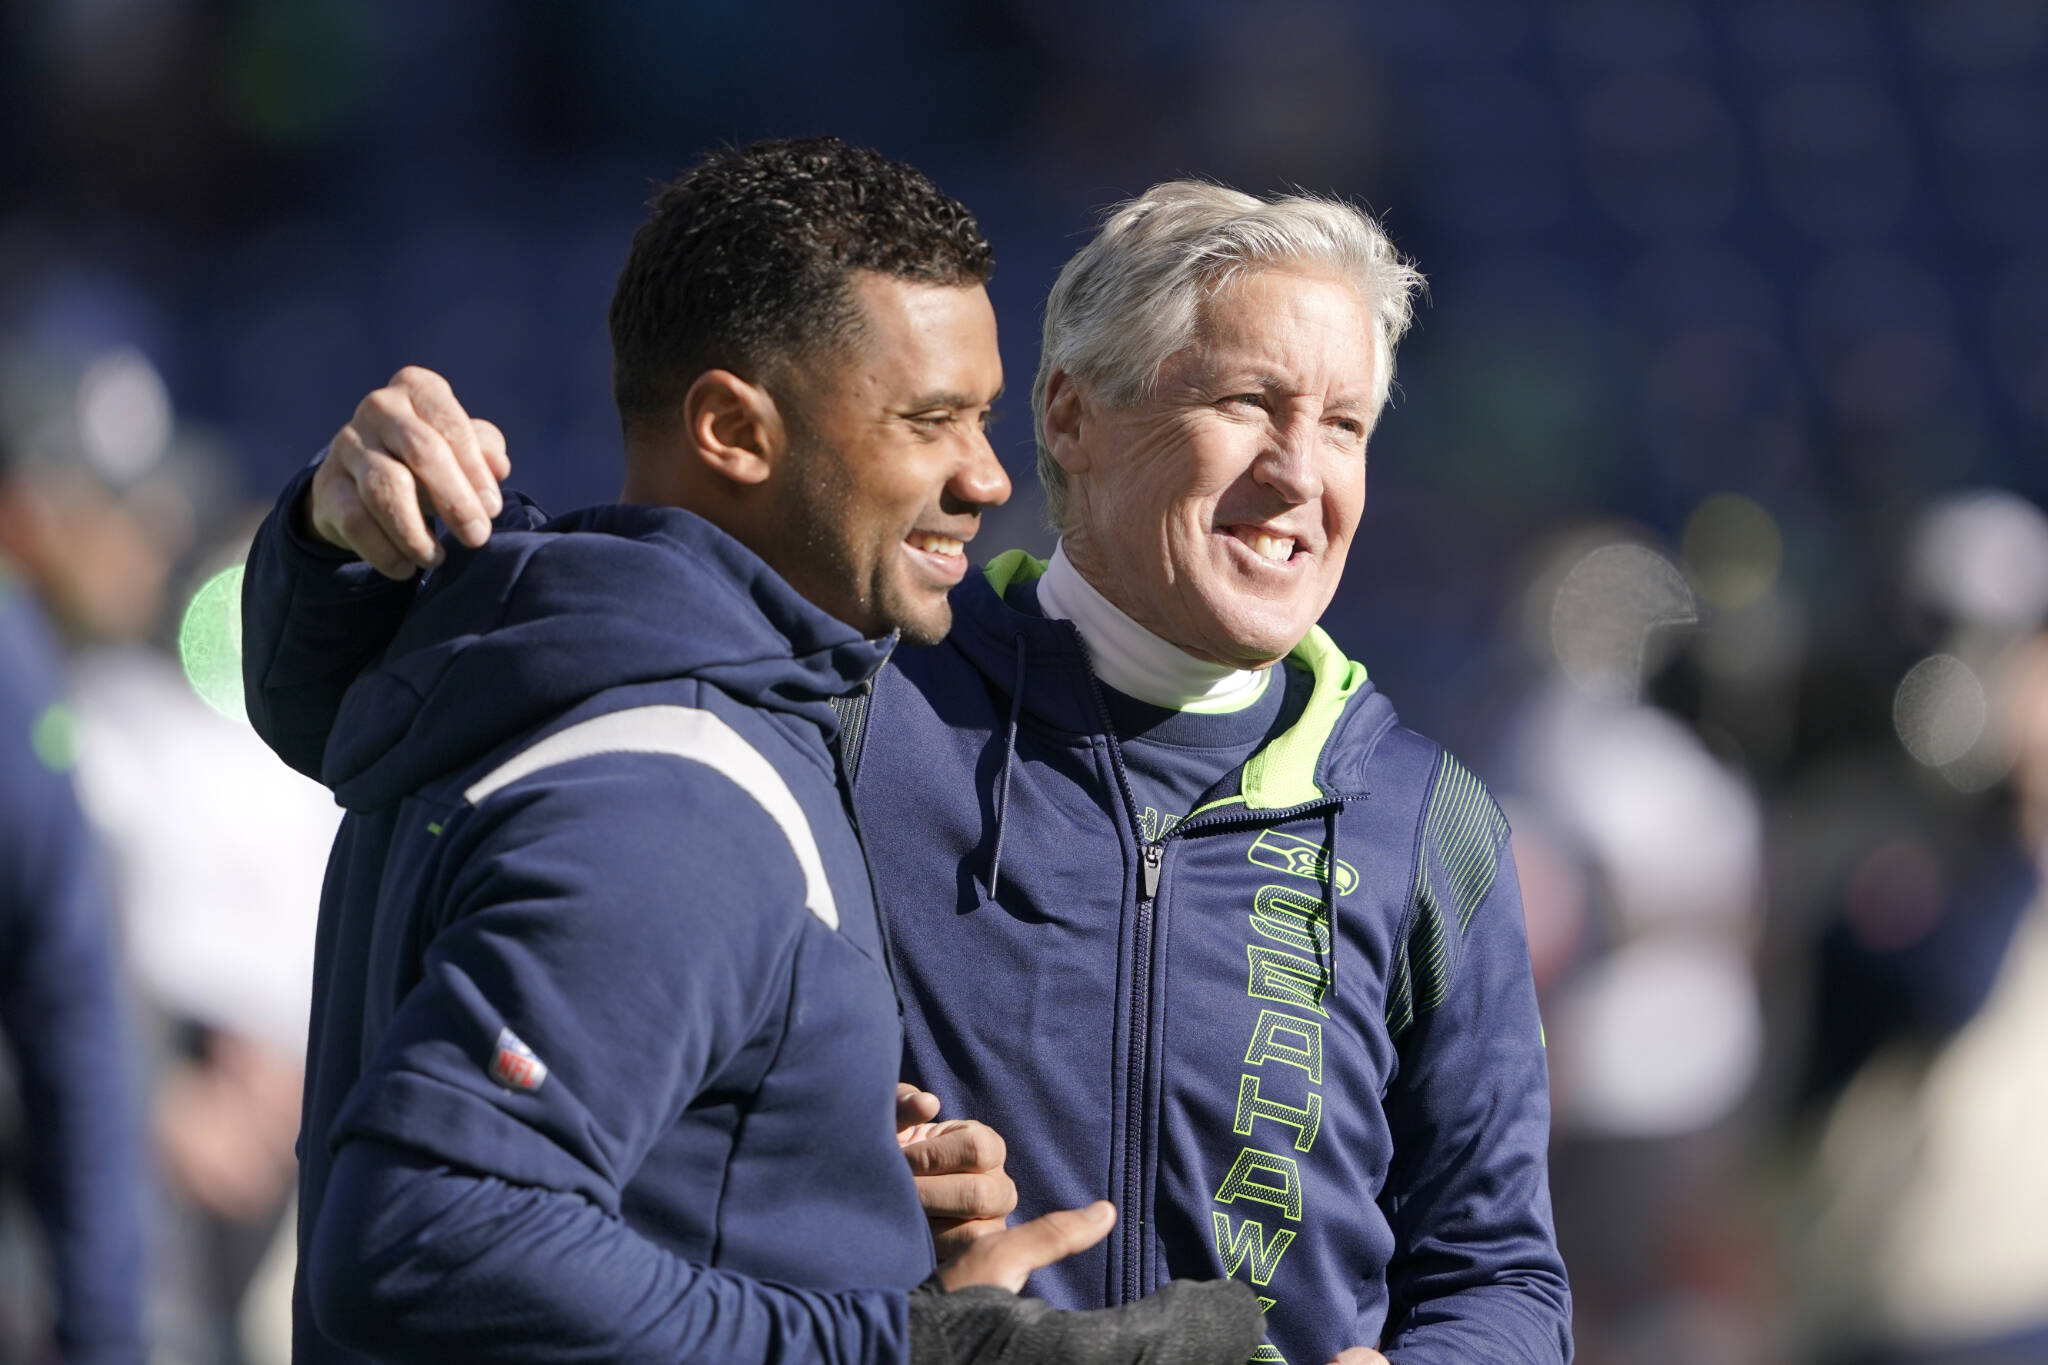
x,y
336,564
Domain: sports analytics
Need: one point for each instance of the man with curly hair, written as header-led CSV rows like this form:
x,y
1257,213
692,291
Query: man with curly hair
x,y
605,1045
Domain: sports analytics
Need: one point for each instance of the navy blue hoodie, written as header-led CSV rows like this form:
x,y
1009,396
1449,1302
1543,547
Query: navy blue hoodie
x,y
1296,1038
603,1045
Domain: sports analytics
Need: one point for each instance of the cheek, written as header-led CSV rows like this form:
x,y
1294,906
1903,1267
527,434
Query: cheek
x,y
1343,501
911,479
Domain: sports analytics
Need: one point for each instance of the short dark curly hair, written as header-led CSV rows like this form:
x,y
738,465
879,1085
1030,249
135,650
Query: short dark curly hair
x,y
744,261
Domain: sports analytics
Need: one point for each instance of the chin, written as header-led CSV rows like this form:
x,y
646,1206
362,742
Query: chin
x,y
920,625
1254,635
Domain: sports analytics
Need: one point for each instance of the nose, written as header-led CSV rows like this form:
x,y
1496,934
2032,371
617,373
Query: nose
x,y
980,480
1289,463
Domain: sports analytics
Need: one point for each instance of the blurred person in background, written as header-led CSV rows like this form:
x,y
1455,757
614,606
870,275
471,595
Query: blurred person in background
x,y
1929,1078
1146,749
216,859
72,1143
1642,861
604,1039
212,850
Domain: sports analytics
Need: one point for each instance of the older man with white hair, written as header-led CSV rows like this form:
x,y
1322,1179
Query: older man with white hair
x,y
1174,902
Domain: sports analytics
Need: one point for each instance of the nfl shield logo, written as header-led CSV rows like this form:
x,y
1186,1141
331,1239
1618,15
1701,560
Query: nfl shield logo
x,y
515,1067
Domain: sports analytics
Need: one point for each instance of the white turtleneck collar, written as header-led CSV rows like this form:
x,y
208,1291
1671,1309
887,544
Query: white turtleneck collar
x,y
1136,662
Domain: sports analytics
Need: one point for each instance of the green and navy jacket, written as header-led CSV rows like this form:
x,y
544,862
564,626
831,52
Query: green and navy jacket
x,y
1295,1039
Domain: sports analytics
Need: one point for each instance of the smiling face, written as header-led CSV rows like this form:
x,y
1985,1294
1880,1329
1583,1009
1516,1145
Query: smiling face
x,y
1218,512
890,466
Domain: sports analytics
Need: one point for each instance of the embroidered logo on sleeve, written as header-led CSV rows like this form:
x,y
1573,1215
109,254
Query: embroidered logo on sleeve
x,y
515,1066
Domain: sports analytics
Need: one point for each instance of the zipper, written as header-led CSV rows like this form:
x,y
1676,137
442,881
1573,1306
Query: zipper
x,y
1238,815
1132,1224
1151,872
852,710
853,718
1132,1227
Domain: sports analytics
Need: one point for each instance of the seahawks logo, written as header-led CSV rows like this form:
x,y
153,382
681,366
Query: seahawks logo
x,y
1300,858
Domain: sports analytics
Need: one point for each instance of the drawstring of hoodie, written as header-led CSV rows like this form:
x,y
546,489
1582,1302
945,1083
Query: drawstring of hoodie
x,y
1002,794
1330,890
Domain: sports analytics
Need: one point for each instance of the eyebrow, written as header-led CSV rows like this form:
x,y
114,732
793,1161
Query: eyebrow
x,y
955,399
1274,381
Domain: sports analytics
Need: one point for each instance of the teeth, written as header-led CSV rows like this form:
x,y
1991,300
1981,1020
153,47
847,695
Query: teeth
x,y
1275,548
938,545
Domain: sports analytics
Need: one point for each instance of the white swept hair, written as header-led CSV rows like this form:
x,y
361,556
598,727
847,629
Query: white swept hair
x,y
1131,297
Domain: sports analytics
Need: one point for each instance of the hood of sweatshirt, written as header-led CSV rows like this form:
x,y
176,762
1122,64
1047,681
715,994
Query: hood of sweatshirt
x,y
505,637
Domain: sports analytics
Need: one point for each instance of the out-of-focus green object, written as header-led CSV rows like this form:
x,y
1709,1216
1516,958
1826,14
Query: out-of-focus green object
x,y
210,642
54,738
1733,549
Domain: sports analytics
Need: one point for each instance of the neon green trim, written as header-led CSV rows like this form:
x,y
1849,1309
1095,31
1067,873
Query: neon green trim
x,y
1283,773
1012,566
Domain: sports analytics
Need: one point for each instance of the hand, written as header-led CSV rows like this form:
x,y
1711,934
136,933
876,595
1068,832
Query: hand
x,y
1359,1355
958,1169
1006,1259
225,1128
409,451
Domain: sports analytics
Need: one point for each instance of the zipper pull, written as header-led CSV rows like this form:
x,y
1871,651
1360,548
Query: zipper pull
x,y
1148,874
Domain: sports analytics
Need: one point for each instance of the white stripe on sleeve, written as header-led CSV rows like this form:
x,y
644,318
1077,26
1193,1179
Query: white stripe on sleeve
x,y
685,732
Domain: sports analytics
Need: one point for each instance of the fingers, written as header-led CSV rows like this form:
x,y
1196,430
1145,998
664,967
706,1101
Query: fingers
x,y
492,442
948,1199
396,546
951,1240
958,1168
1007,1258
1359,1355
409,451
416,420
953,1148
435,404
359,475
914,1109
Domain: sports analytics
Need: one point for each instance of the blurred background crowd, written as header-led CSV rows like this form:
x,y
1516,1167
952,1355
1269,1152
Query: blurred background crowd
x,y
1705,525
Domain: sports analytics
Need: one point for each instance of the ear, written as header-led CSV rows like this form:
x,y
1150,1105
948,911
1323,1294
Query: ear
x,y
734,427
1067,414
